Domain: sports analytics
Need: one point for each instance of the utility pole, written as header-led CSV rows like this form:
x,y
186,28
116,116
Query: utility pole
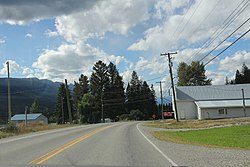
x,y
102,106
26,109
162,115
9,99
62,110
68,102
244,105
172,80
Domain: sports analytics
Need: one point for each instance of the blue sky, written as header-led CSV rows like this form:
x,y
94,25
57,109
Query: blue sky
x,y
49,41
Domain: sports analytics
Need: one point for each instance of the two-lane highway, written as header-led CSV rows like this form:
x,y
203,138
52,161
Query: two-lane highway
x,y
118,144
114,144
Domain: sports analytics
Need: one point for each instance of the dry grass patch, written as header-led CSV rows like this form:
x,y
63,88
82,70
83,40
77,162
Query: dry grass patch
x,y
194,124
40,127
11,129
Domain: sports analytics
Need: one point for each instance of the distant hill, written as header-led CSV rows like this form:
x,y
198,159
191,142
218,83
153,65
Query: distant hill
x,y
23,93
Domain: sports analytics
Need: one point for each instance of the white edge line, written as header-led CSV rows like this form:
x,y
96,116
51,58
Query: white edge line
x,y
165,156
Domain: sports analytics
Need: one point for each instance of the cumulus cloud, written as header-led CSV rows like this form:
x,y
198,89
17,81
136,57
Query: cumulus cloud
x,y
70,60
154,66
235,61
50,33
14,67
28,35
26,11
170,36
27,71
107,16
2,41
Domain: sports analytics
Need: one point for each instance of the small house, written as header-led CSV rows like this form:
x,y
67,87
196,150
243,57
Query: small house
x,y
31,118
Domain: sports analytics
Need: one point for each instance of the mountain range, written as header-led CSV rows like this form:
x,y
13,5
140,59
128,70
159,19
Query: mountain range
x,y
23,93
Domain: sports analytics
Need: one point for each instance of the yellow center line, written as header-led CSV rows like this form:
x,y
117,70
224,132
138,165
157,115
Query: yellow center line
x,y
60,149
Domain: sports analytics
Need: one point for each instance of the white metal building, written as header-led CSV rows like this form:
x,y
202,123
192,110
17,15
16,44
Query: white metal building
x,y
31,118
211,102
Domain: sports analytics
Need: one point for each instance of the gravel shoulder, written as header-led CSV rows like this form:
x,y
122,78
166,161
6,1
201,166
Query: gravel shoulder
x,y
190,155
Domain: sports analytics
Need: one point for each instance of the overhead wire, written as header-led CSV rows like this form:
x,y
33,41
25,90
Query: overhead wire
x,y
177,28
226,23
227,47
225,39
181,32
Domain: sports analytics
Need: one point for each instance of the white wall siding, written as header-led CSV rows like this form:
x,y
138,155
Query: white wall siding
x,y
186,110
233,112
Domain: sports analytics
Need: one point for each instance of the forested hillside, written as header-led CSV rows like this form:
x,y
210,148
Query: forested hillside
x,y
23,93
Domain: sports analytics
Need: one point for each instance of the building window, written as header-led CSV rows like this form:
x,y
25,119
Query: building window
x,y
222,111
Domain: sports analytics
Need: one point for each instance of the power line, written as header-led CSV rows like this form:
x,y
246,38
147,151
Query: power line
x,y
179,34
190,4
225,39
223,26
227,47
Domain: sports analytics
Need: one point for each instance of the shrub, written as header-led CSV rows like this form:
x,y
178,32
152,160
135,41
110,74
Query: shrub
x,y
10,128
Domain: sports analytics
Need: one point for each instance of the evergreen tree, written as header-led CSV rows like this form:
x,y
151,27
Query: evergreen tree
x,y
133,93
80,89
98,83
192,75
140,98
182,75
61,106
243,76
87,108
114,97
35,107
62,112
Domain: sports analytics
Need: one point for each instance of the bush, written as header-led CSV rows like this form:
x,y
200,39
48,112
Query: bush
x,y
124,117
10,128
136,115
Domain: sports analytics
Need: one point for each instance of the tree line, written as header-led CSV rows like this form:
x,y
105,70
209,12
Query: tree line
x,y
194,75
103,96
241,77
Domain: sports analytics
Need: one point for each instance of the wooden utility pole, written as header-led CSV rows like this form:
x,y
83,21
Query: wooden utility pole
x,y
172,80
162,114
103,121
9,98
26,109
68,102
244,104
62,110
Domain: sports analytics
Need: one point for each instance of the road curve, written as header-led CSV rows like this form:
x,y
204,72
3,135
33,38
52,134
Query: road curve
x,y
114,144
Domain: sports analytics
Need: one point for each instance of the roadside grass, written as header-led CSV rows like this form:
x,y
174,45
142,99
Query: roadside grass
x,y
193,124
226,137
21,129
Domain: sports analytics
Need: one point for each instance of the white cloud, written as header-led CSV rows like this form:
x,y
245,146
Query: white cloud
x,y
154,66
126,76
70,60
235,61
167,36
50,33
28,35
107,16
218,78
27,71
14,67
2,41
26,11
163,8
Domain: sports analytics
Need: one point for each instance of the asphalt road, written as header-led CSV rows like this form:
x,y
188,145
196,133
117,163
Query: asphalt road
x,y
116,144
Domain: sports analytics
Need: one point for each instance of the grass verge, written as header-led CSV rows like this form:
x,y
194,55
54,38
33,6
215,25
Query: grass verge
x,y
193,124
227,137
21,129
